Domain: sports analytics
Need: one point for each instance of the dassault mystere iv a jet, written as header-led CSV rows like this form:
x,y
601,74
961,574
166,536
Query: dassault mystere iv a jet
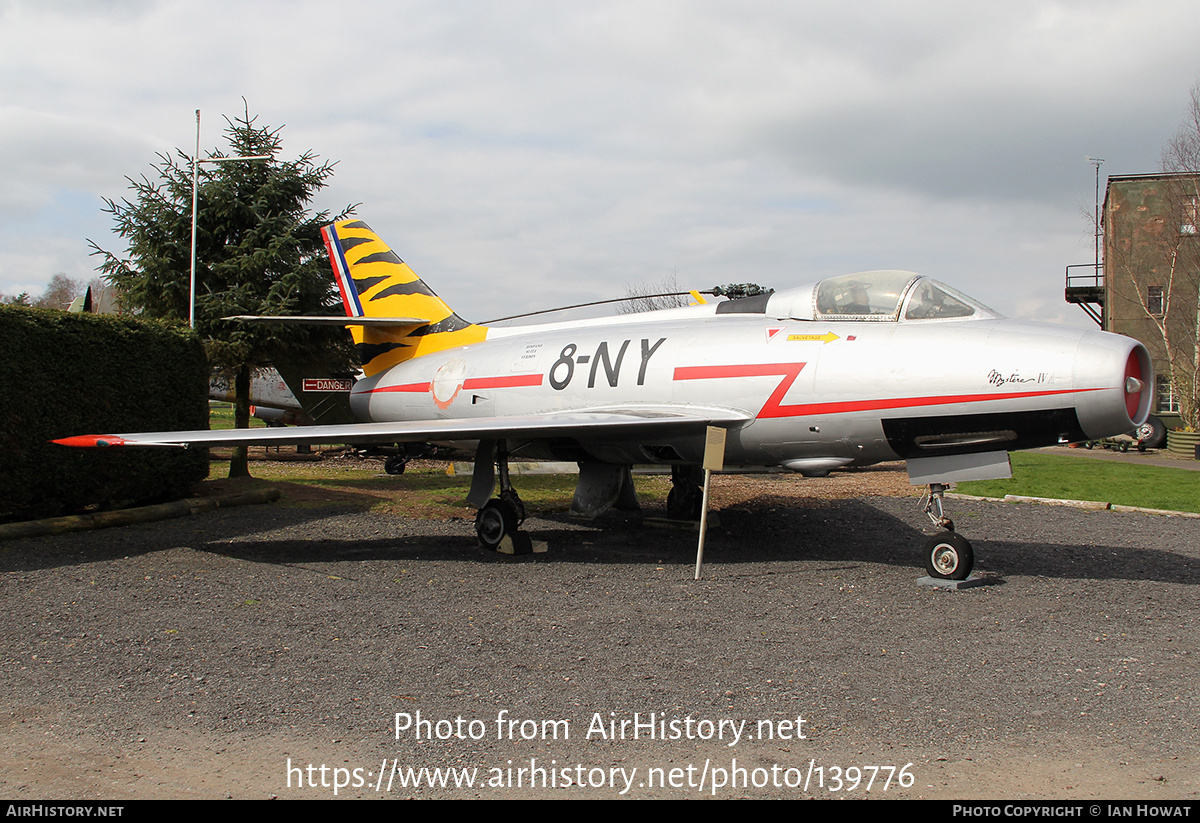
x,y
849,371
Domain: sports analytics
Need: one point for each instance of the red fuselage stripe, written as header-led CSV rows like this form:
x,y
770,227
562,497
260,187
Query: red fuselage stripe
x,y
773,407
407,387
505,382
790,371
906,402
509,382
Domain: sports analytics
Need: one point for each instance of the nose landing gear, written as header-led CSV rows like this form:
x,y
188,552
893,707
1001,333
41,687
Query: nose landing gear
x,y
948,555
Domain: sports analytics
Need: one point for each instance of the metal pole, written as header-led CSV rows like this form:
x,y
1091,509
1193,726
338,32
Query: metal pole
x,y
196,161
714,460
1096,161
192,287
703,523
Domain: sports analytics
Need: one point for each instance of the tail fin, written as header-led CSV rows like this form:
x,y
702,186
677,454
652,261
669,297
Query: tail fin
x,y
374,282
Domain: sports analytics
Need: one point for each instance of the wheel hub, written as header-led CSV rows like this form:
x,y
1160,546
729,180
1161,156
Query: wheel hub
x,y
491,526
945,559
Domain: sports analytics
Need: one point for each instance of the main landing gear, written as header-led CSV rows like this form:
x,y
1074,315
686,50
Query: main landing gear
x,y
499,519
685,498
948,555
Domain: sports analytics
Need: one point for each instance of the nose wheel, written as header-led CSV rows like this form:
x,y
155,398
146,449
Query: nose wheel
x,y
948,555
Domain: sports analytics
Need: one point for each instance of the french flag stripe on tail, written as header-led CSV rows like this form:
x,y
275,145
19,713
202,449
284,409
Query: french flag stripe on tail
x,y
345,282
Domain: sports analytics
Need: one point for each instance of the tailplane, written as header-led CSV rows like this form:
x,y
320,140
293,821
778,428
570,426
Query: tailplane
x,y
375,282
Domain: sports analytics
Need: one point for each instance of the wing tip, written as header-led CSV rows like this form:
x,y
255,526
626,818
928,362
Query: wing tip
x,y
90,441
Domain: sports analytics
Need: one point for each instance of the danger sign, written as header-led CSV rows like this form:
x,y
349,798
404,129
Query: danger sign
x,y
326,384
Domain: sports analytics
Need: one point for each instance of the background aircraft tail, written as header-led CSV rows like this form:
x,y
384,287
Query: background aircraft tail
x,y
376,283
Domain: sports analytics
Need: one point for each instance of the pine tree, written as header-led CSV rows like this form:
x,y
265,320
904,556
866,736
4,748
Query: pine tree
x,y
258,251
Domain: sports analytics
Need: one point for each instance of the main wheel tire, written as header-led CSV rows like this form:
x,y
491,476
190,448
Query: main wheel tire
x,y
1158,435
395,465
948,556
683,503
495,520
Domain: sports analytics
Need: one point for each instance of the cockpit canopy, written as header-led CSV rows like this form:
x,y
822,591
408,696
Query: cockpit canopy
x,y
877,296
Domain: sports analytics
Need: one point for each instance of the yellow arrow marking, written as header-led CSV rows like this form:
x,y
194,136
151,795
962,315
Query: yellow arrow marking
x,y
827,337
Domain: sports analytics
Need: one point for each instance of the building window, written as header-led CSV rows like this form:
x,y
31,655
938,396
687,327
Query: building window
x,y
1154,300
1167,401
1191,215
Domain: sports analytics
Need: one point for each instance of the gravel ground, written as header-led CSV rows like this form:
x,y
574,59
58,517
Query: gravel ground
x,y
200,657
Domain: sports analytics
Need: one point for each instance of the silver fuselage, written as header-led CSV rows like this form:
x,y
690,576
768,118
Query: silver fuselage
x,y
818,392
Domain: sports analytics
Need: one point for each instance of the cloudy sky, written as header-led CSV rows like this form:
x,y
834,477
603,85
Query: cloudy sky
x,y
522,155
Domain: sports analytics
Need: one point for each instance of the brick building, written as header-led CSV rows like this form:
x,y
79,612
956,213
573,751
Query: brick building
x,y
1147,284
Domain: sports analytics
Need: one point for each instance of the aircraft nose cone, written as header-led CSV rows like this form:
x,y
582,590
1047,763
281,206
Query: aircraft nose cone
x,y
1114,377
1135,395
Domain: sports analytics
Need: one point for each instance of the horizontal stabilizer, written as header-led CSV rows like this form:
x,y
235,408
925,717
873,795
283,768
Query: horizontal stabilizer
x,y
330,320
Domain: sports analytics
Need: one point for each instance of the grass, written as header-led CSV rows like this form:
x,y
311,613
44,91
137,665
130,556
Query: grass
x,y
1080,478
424,490
220,416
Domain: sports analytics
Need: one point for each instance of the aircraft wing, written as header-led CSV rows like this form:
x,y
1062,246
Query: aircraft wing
x,y
585,425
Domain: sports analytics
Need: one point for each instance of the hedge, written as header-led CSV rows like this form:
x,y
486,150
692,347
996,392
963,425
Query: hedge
x,y
66,374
